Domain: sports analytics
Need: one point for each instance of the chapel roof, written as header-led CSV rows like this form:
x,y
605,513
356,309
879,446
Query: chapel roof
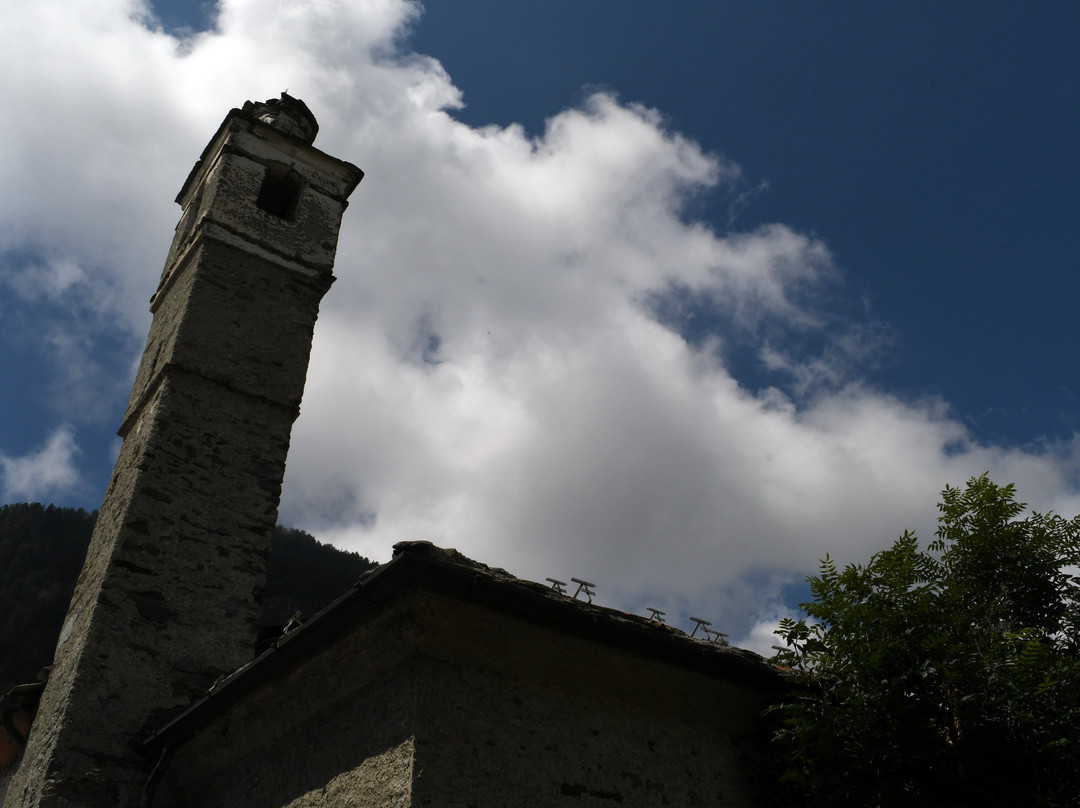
x,y
448,572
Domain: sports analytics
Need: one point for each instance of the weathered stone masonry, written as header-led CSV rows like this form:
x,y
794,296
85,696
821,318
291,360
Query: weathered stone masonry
x,y
169,595
439,681
435,681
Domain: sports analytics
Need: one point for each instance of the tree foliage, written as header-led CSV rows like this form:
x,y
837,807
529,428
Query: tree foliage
x,y
41,552
949,675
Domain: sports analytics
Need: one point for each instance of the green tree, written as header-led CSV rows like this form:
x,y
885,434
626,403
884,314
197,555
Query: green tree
x,y
949,675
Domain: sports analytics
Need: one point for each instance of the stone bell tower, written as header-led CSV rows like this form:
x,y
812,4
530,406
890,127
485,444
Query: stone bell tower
x,y
169,595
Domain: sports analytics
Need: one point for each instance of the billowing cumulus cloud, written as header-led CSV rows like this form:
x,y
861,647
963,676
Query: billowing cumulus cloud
x,y
42,473
505,364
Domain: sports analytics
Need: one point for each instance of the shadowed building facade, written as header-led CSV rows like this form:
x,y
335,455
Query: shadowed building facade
x,y
435,681
439,681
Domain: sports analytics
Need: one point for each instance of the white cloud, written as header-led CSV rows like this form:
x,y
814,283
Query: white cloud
x,y
48,472
761,638
487,371
59,312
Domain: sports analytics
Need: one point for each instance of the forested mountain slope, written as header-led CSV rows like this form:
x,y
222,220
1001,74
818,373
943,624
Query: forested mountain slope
x,y
42,550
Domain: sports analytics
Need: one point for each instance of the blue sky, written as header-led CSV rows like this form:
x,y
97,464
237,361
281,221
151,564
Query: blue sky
x,y
679,296
932,148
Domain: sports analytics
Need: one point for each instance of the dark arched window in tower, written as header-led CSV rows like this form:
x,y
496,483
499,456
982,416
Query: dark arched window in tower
x,y
280,191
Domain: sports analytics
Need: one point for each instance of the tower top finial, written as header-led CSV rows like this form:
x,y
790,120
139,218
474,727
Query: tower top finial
x,y
286,114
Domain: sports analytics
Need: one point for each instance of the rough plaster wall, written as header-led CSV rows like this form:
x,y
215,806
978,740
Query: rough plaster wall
x,y
511,714
226,185
468,634
534,745
337,731
358,753
310,236
497,712
242,321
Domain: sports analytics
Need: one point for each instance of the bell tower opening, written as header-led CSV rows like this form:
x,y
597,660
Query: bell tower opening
x,y
280,191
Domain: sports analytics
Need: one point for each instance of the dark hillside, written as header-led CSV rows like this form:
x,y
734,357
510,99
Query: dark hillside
x,y
42,550
306,575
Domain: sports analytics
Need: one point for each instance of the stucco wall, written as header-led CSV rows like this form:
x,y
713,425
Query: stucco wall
x,y
537,717
441,702
359,753
336,731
